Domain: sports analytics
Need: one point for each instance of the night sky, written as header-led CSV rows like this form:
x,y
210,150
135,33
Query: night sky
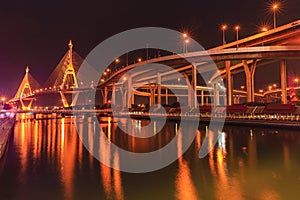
x,y
36,33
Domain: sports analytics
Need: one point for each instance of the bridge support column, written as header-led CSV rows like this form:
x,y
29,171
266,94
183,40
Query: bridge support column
x,y
113,94
129,92
124,99
167,98
229,83
104,95
189,95
152,95
202,97
159,89
194,100
216,95
249,72
283,81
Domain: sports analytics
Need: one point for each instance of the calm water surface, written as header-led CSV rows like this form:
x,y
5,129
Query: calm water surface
x,y
46,160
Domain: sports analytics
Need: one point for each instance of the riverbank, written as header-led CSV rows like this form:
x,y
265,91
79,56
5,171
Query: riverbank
x,y
6,125
251,122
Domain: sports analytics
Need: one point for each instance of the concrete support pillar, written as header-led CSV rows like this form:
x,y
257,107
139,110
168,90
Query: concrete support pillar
x,y
194,100
254,64
132,98
202,97
249,72
216,95
167,98
105,93
129,92
229,83
113,94
124,99
189,90
152,95
159,89
283,81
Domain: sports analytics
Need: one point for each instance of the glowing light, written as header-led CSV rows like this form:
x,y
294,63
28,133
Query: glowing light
x,y
270,87
185,35
264,29
117,60
275,6
139,60
224,27
237,28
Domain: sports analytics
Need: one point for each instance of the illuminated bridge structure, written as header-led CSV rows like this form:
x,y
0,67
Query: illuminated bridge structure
x,y
242,56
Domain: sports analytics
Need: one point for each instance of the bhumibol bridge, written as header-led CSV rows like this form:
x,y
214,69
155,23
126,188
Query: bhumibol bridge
x,y
153,86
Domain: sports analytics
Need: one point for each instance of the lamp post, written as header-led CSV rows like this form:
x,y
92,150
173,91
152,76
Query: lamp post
x,y
263,29
185,41
296,81
237,28
3,99
117,61
224,27
275,7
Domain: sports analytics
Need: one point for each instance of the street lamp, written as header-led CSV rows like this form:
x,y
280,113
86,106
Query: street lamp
x,y
185,41
275,7
237,28
3,99
117,61
270,87
224,27
139,60
264,29
296,80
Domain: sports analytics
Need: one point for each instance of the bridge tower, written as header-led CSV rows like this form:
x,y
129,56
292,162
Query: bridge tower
x,y
69,81
25,92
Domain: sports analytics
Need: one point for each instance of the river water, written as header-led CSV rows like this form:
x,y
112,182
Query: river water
x,y
46,159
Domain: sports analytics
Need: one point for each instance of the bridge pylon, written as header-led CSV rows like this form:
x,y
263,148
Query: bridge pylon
x,y
69,81
25,93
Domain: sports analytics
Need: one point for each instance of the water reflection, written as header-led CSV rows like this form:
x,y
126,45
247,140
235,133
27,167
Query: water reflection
x,y
185,188
111,179
46,160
